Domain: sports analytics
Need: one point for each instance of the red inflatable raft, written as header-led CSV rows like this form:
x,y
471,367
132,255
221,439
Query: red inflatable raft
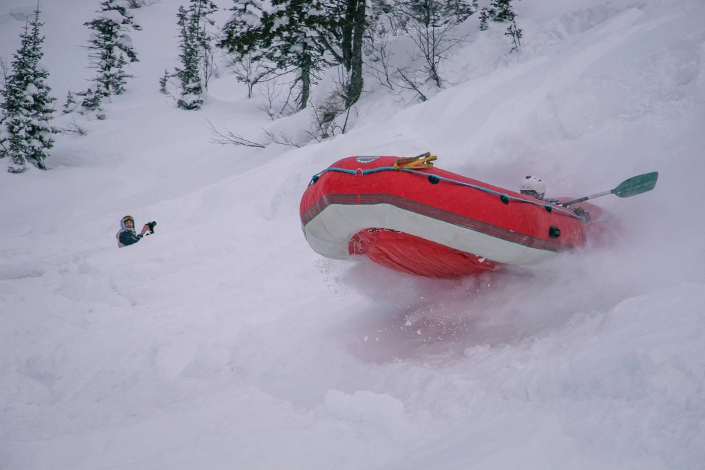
x,y
407,215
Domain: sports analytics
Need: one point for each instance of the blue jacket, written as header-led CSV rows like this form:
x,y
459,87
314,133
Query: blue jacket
x,y
126,238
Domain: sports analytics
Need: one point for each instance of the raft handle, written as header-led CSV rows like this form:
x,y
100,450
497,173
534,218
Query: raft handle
x,y
420,162
504,198
554,232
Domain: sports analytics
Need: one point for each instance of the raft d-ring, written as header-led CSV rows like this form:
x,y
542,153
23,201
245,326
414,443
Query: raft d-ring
x,y
359,172
554,232
504,198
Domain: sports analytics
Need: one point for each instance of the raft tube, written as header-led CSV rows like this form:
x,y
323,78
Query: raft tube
x,y
410,216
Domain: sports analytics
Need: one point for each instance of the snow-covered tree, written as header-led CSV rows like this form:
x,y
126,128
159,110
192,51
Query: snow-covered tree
x,y
303,36
163,81
484,17
514,33
88,102
25,133
138,3
299,31
196,55
501,11
71,104
293,35
250,71
188,74
111,47
202,10
242,35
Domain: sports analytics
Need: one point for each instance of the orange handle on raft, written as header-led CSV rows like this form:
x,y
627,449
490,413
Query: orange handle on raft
x,y
421,162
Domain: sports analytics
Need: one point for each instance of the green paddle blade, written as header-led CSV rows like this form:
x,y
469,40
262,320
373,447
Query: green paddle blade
x,y
636,185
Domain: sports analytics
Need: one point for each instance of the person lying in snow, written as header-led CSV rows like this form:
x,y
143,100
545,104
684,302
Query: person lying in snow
x,y
127,235
535,187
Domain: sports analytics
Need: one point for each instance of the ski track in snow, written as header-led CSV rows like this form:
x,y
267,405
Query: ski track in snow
x,y
223,341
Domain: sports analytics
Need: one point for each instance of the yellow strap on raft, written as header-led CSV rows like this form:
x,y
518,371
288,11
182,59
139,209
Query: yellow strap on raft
x,y
421,162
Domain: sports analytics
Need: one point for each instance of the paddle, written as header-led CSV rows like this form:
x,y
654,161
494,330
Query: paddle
x,y
628,188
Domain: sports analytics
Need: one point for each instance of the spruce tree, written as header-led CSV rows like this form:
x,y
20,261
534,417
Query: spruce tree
x,y
244,33
188,75
89,102
514,33
201,12
501,11
26,107
163,81
294,35
70,105
299,32
240,37
484,16
247,35
196,52
305,36
111,47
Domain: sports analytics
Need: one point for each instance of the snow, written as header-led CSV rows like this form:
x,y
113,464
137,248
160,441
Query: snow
x,y
223,341
31,90
126,41
112,15
23,13
380,413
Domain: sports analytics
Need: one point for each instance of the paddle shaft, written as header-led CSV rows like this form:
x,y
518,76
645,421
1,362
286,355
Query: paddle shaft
x,y
627,188
575,201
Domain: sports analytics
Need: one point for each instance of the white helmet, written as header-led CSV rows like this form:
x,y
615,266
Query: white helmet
x,y
533,186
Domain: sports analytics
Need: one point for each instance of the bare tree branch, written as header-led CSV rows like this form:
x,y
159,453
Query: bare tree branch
x,y
249,70
379,63
271,92
74,128
433,36
281,139
409,84
230,138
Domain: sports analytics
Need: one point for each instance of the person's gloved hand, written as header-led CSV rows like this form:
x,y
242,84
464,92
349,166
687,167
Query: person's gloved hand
x,y
144,229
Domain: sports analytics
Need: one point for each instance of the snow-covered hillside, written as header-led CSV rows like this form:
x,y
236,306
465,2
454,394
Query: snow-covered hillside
x,y
224,342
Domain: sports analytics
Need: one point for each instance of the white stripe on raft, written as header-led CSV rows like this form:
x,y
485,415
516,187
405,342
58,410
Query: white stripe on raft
x,y
330,231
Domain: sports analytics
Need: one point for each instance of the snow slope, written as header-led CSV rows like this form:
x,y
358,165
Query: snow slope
x,y
223,341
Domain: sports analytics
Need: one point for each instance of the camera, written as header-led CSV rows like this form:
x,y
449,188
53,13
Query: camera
x,y
151,226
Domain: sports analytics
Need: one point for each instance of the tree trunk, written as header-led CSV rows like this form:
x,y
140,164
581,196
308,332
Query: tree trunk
x,y
305,81
348,26
356,79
